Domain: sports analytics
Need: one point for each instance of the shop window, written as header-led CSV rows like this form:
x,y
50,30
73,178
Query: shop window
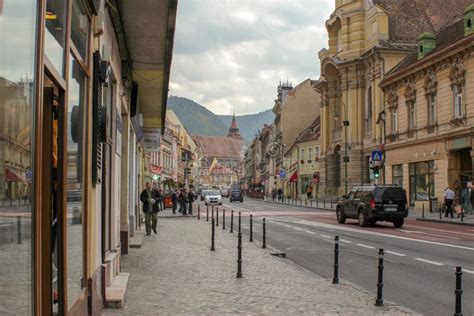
x,y
75,185
397,175
422,184
17,64
305,184
55,35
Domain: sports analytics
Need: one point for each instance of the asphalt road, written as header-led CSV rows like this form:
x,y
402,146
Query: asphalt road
x,y
419,258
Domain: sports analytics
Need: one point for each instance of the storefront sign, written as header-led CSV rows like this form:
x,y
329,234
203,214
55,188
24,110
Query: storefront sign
x,y
151,139
155,169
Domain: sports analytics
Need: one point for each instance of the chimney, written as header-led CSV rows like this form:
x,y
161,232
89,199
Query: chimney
x,y
426,43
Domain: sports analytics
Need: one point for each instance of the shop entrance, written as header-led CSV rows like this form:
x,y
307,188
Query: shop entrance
x,y
465,162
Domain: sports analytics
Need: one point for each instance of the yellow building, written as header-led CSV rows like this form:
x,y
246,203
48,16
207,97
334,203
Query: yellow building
x,y
303,163
430,114
366,40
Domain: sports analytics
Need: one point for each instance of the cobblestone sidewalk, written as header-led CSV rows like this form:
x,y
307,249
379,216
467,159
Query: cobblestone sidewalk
x,y
175,273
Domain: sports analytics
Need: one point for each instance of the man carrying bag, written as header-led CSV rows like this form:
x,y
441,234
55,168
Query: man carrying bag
x,y
150,208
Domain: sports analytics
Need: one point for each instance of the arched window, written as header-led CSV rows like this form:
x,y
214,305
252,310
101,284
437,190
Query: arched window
x,y
368,111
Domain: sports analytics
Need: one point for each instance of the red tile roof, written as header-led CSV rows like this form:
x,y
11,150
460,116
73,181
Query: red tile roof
x,y
222,147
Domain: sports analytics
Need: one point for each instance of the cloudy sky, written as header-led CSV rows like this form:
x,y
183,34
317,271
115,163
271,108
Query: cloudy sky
x,y
231,54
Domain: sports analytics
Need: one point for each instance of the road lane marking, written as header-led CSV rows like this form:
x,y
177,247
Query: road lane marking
x,y
395,253
325,236
467,271
430,262
365,246
339,227
425,233
439,230
346,241
310,232
297,228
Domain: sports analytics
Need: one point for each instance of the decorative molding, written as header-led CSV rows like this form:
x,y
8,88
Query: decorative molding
x,y
431,83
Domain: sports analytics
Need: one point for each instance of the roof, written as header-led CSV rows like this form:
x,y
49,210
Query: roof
x,y
312,132
446,40
217,146
409,18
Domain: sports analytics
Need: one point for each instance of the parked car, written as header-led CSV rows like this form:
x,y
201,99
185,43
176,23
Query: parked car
x,y
236,195
213,197
372,203
203,194
225,192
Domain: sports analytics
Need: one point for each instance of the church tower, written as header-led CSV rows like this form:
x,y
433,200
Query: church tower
x,y
234,130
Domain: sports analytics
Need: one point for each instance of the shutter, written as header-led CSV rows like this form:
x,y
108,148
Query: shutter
x,y
98,119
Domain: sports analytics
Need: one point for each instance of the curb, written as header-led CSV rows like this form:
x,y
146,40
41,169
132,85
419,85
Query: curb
x,y
301,206
443,222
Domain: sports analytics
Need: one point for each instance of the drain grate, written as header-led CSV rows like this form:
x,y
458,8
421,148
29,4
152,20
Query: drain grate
x,y
279,254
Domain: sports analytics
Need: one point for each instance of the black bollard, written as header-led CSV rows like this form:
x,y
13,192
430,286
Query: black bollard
x,y
335,279
264,235
231,221
199,211
217,217
331,203
223,219
458,292
213,236
423,210
207,213
251,228
239,256
212,212
240,222
379,300
18,228
440,213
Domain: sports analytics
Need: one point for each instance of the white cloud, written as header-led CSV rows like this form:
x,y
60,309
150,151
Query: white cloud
x,y
232,54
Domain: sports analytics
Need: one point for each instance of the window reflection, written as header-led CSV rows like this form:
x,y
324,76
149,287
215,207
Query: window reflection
x,y
79,28
17,51
55,32
75,205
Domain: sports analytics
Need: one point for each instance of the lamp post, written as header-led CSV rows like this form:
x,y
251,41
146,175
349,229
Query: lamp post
x,y
382,121
345,124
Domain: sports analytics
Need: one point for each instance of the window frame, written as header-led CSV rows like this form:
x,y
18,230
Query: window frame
x,y
432,100
458,100
411,110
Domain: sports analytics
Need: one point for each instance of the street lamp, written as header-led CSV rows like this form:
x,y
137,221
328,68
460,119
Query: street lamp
x,y
346,124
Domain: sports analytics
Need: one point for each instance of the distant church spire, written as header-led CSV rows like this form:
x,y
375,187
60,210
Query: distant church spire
x,y
234,130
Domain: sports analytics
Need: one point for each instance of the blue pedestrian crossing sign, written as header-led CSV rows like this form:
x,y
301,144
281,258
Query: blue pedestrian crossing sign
x,y
377,155
282,174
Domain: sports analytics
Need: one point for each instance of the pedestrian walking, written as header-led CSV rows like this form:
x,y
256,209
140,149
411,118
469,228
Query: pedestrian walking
x,y
157,195
161,199
150,208
273,194
448,201
280,194
174,200
191,199
467,198
183,201
309,192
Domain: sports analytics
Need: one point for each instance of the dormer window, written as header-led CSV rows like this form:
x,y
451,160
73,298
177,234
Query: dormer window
x,y
426,43
469,21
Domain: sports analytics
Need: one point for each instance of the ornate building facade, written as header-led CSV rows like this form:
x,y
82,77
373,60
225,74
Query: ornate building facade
x,y
430,114
366,40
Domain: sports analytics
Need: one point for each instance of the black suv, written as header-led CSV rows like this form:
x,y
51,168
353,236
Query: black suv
x,y
373,203
236,195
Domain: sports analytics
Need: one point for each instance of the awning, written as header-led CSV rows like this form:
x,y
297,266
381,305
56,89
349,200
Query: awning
x,y
12,176
147,38
294,177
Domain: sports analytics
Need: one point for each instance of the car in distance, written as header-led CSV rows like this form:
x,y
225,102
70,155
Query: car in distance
x,y
371,203
203,194
213,197
225,192
236,195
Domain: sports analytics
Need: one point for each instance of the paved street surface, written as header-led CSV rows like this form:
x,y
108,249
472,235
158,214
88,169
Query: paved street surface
x,y
419,258
175,273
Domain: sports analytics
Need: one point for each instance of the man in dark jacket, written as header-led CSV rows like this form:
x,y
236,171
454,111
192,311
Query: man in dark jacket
x,y
150,208
190,201
174,199
183,198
